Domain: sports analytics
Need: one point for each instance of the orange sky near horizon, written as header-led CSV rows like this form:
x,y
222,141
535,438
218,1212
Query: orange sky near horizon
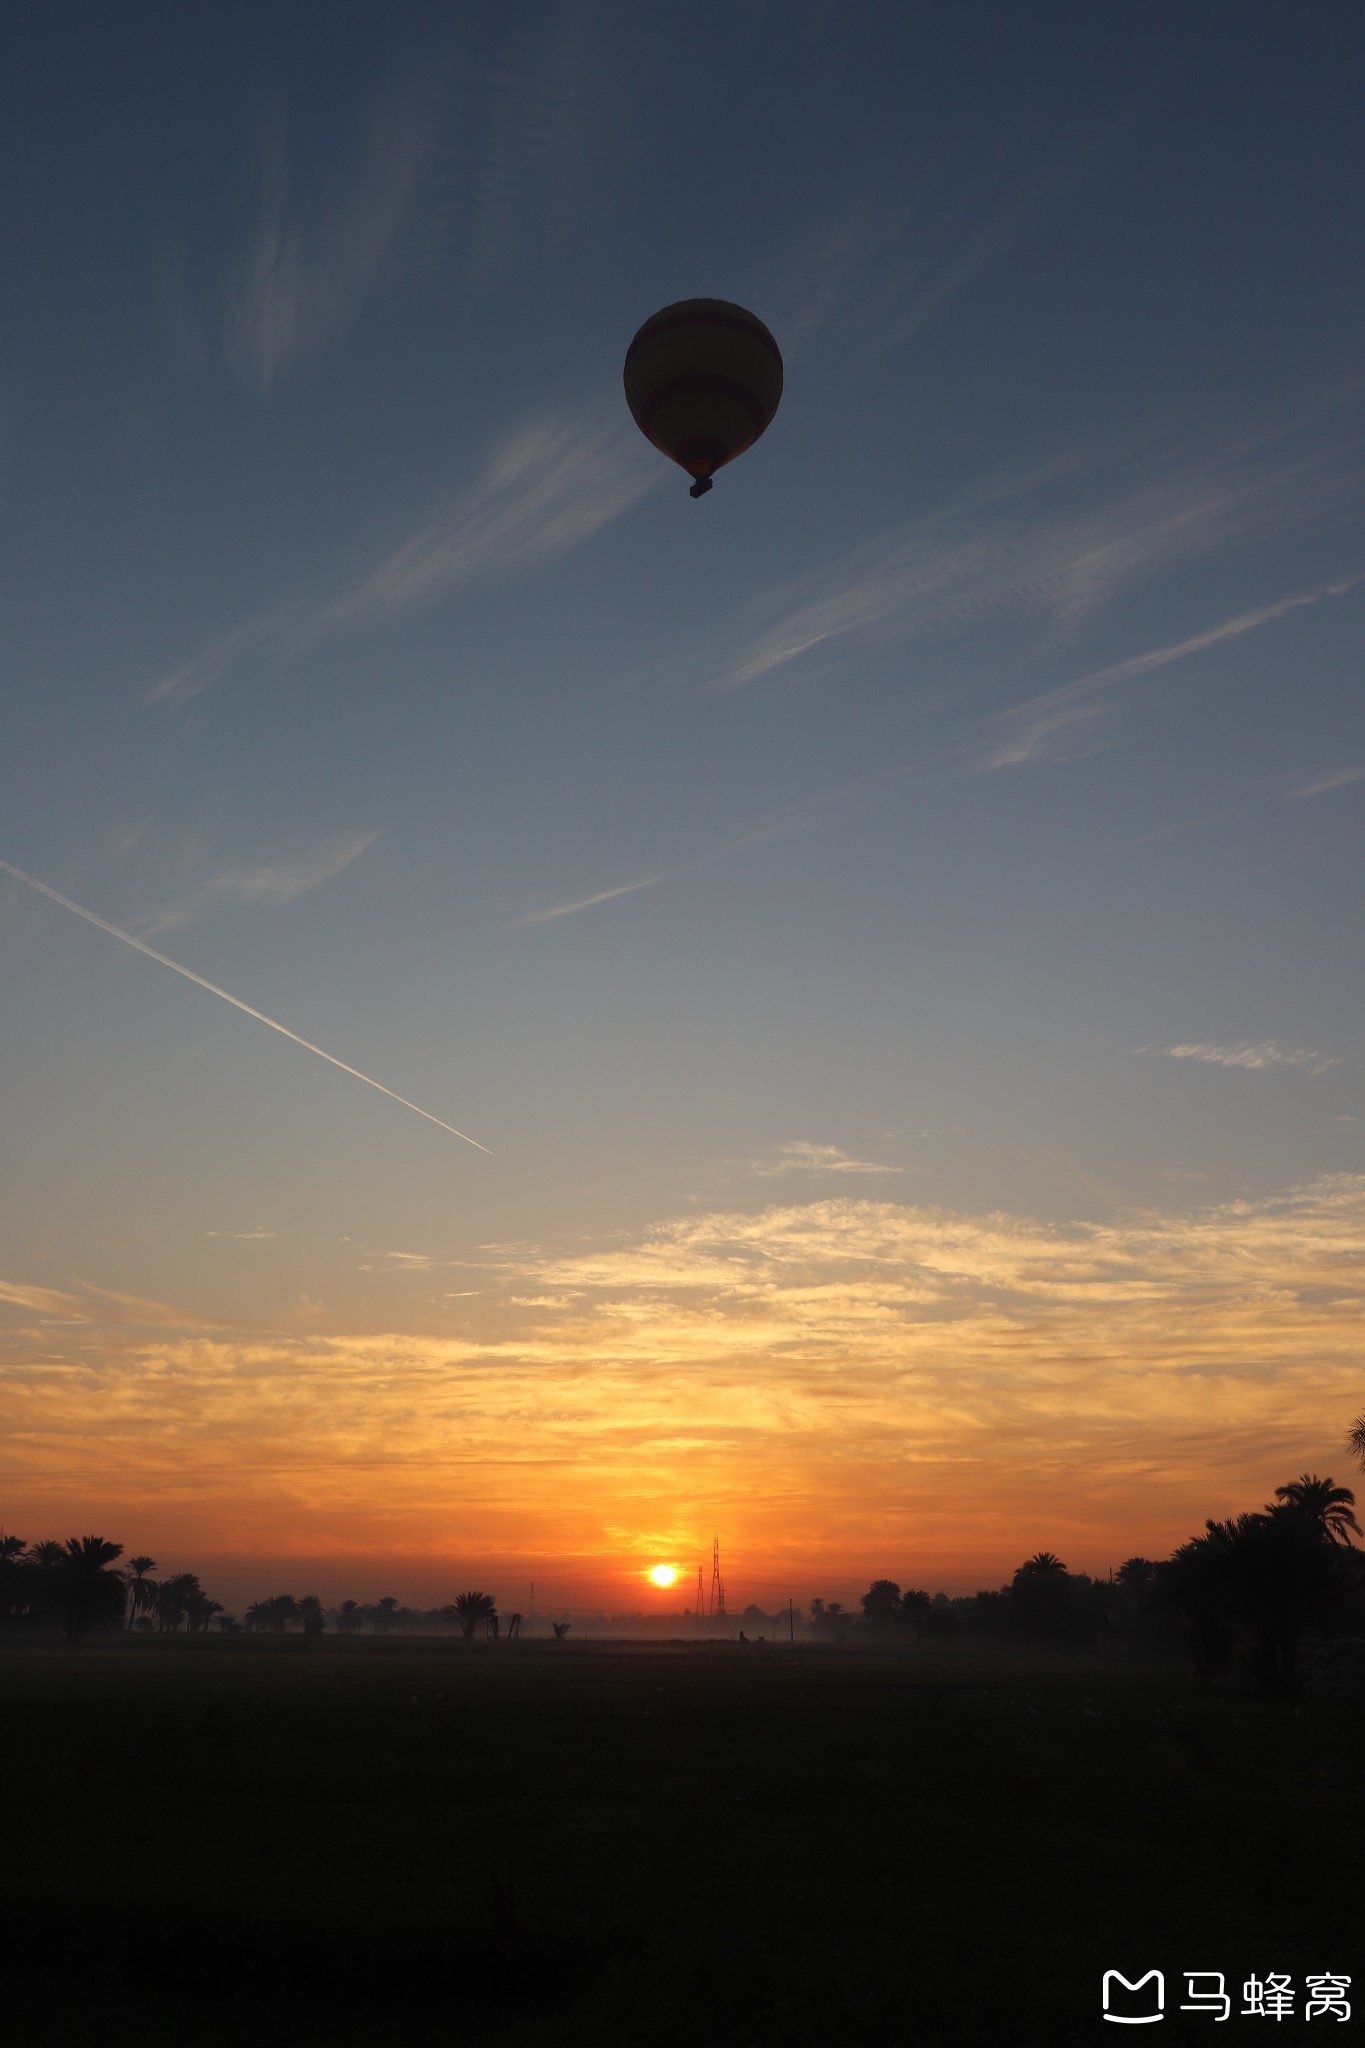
x,y
842,1389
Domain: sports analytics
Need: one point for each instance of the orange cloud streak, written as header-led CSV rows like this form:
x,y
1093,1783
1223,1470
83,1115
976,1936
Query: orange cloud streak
x,y
844,1388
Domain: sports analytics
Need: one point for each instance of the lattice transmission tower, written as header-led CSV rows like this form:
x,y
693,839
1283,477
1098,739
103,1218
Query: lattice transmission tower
x,y
717,1601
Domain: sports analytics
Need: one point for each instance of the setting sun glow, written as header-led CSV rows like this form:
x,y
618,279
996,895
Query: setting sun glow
x,y
663,1574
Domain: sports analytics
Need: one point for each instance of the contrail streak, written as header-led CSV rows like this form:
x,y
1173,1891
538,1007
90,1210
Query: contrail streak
x,y
236,1002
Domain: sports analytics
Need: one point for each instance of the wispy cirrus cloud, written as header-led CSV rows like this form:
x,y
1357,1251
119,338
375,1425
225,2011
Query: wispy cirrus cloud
x,y
545,490
274,883
399,1262
1053,544
601,896
1339,780
451,166
800,1155
1252,1059
526,140
1042,720
314,258
768,829
892,258
548,488
99,1305
44,1301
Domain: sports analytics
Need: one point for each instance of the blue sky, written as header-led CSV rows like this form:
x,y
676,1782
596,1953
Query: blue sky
x,y
956,815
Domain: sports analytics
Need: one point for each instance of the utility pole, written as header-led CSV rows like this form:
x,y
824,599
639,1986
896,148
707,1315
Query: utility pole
x,y
701,1597
717,1602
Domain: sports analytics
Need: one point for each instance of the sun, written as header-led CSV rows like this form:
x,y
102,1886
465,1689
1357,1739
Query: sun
x,y
663,1574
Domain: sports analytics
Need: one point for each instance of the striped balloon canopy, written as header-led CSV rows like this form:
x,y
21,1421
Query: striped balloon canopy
x,y
703,379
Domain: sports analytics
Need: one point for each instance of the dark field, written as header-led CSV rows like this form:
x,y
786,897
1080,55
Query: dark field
x,y
223,1841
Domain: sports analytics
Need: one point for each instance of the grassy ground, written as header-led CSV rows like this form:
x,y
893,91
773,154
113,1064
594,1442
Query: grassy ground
x,y
223,1841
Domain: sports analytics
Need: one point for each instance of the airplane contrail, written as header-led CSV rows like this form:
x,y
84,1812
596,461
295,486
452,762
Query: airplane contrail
x,y
236,1001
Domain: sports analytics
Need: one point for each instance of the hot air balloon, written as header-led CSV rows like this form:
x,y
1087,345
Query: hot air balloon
x,y
703,379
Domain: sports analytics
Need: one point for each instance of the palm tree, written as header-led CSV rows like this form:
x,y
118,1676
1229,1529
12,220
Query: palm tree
x,y
1355,1439
310,1612
141,1593
1132,1592
1044,1564
177,1600
84,1590
385,1614
1271,1572
256,1618
1327,1507
200,1610
39,1565
348,1618
469,1609
14,1579
1039,1598
1137,1574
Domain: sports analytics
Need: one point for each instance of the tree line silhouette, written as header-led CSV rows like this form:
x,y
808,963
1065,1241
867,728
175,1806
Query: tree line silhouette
x,y
75,1584
1245,1593
1250,1587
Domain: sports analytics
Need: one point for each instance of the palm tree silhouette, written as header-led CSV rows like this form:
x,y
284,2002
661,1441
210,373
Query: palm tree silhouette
x,y
84,1590
1355,1439
1138,1574
1327,1507
177,1600
199,1609
141,1592
1044,1564
348,1617
469,1609
19,1581
1039,1596
1272,1572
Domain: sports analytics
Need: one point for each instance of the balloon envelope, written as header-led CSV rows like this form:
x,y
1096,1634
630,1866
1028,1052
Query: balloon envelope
x,y
703,379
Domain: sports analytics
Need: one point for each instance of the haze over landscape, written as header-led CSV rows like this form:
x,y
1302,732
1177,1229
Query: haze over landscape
x,y
894,924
